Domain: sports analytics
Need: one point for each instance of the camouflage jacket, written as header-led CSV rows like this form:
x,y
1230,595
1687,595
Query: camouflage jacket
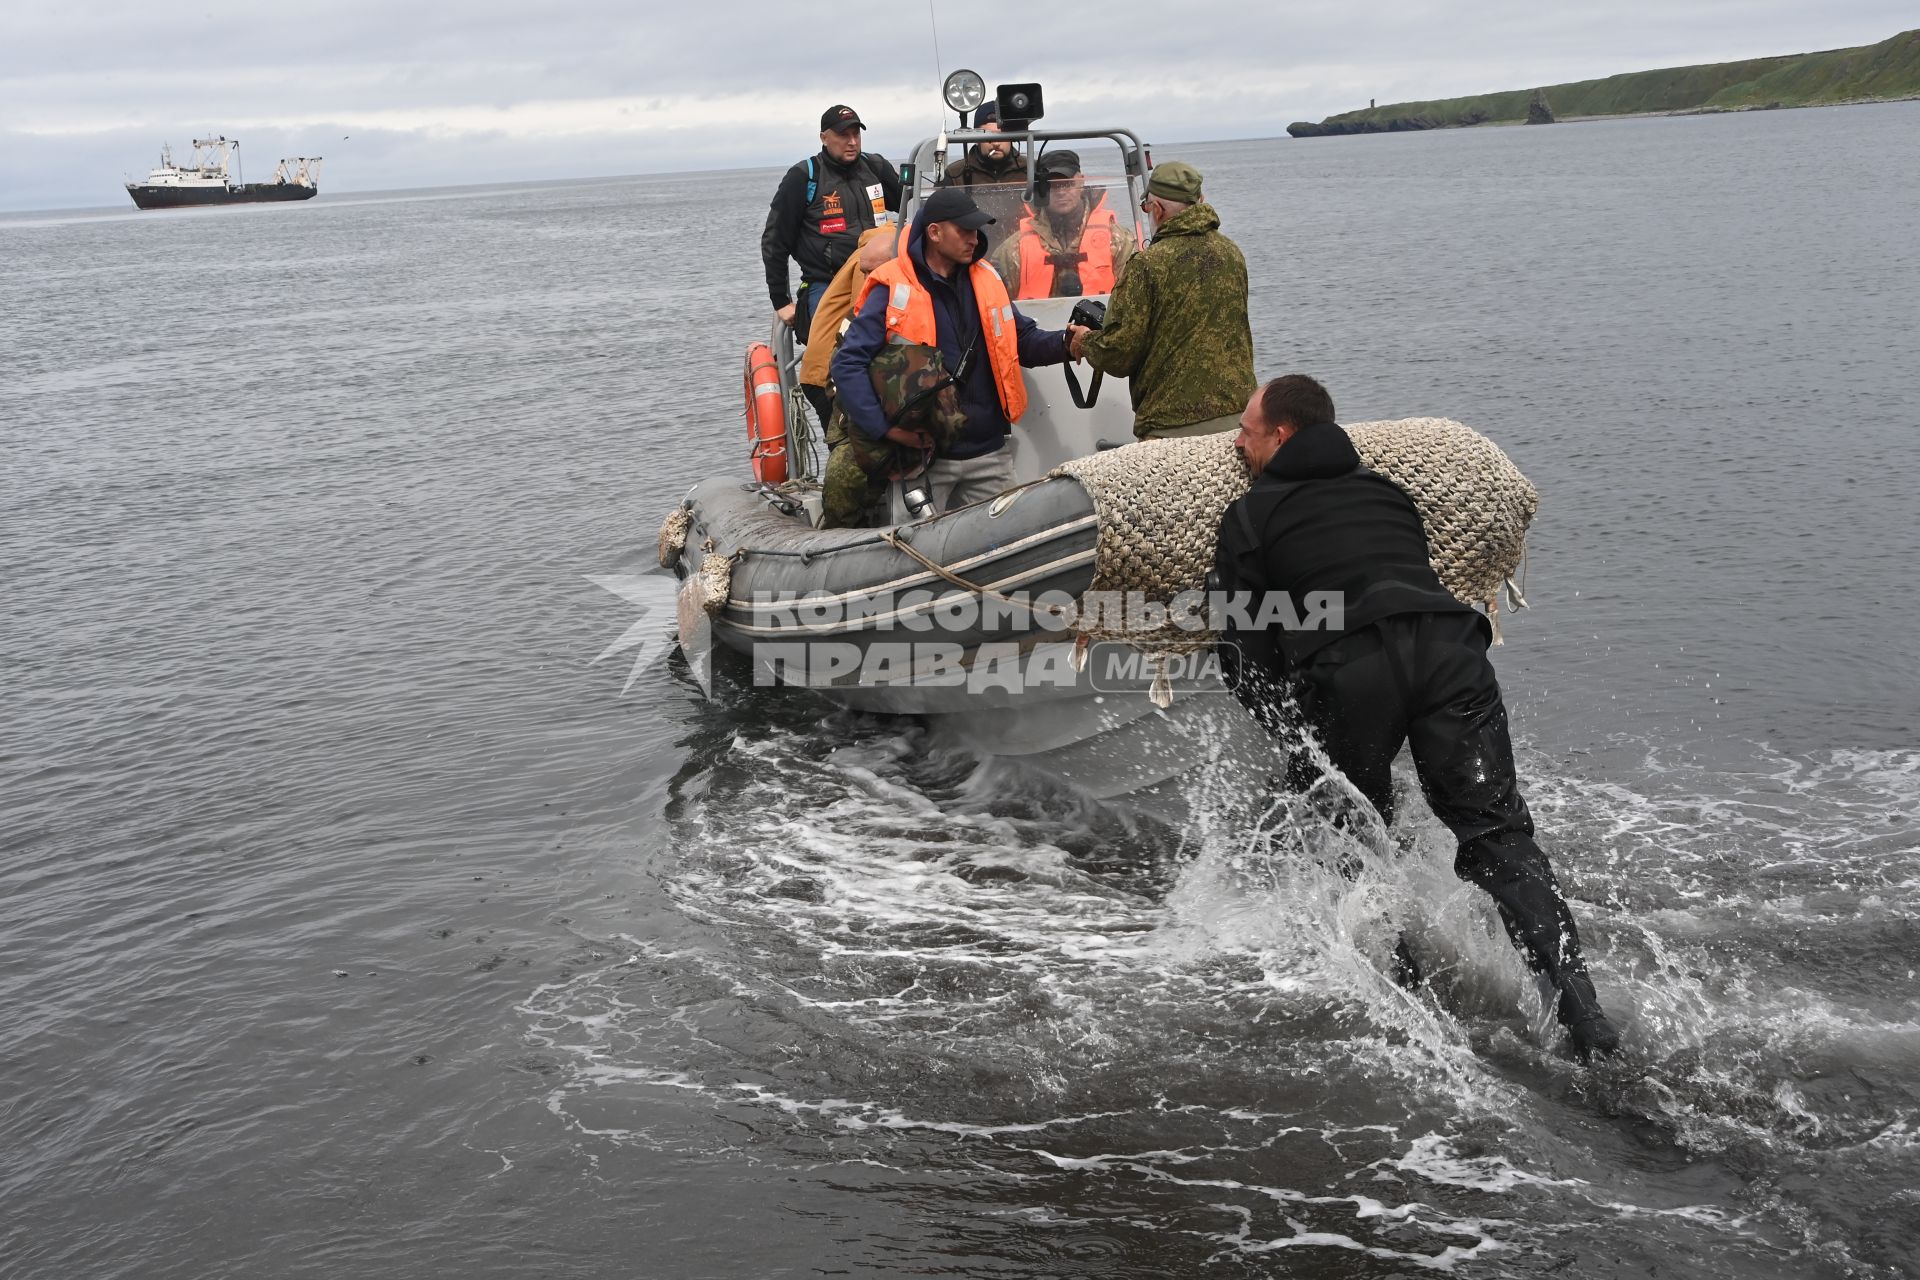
x,y
915,392
1177,326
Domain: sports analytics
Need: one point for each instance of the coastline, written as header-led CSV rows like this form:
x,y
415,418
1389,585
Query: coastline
x,y
1709,111
1323,131
1886,71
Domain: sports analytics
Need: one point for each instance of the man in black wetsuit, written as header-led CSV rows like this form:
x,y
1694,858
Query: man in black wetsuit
x,y
1402,661
822,205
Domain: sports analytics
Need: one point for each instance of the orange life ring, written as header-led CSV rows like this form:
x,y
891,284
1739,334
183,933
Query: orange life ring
x,y
766,416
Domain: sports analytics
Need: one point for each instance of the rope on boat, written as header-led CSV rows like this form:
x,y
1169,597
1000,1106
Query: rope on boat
x,y
715,575
893,539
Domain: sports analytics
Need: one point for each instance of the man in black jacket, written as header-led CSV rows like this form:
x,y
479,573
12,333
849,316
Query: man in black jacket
x,y
817,214
1400,661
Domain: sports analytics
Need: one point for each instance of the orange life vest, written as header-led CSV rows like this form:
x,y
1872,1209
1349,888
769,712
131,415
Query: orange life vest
x,y
910,319
1096,246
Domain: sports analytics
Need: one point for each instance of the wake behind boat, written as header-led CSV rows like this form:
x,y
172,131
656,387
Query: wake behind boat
x,y
205,179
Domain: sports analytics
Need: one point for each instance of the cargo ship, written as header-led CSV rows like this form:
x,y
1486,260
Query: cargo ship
x,y
204,179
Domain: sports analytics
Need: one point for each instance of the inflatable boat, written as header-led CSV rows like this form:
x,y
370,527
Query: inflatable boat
x,y
1011,626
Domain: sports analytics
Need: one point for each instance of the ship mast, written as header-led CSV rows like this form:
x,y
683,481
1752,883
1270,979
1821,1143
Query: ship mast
x,y
306,172
215,152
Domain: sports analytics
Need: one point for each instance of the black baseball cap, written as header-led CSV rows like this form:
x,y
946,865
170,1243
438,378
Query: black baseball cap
x,y
952,204
840,117
1058,164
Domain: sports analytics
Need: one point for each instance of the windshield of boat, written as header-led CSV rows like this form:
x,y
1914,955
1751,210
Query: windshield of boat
x,y
1068,234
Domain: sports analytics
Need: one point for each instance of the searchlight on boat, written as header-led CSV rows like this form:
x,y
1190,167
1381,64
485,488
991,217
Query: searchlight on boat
x,y
964,90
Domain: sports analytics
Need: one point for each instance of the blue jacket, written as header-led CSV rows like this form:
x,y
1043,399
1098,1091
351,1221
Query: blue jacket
x,y
957,324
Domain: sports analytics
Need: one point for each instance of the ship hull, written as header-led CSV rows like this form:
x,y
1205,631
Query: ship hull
x,y
156,197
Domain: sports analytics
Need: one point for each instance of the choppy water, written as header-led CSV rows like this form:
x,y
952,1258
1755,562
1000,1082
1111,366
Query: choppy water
x,y
352,923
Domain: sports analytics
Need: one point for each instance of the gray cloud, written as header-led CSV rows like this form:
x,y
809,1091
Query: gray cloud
x,y
495,91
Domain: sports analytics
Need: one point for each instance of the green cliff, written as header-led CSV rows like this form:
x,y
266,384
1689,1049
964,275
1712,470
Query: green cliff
x,y
1890,69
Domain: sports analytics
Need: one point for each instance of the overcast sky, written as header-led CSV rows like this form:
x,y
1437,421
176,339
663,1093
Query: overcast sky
x,y
396,93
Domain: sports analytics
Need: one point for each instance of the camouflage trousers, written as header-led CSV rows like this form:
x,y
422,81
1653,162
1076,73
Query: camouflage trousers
x,y
859,471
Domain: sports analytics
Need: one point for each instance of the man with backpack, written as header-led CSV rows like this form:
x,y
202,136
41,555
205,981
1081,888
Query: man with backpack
x,y
822,205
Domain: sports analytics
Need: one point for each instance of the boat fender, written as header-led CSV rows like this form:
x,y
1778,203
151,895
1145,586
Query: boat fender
x,y
716,580
766,416
673,536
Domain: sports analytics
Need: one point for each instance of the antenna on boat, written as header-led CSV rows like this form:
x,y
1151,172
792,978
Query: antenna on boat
x,y
939,73
939,143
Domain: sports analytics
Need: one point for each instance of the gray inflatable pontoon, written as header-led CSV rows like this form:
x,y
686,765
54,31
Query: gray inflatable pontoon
x,y
855,616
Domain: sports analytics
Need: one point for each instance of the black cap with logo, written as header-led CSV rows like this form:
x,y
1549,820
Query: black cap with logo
x,y
840,118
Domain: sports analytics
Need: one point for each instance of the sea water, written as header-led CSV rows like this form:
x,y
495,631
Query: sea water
x,y
354,922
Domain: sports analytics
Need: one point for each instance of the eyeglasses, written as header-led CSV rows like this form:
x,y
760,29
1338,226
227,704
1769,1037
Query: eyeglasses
x,y
1144,202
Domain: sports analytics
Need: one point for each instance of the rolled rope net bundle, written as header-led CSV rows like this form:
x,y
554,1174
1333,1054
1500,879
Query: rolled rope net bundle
x,y
1475,504
1159,504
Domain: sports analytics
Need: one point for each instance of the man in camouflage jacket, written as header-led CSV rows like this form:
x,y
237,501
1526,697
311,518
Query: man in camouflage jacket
x,y
1064,207
1177,323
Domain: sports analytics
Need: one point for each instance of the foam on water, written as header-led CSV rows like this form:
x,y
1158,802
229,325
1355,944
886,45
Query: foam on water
x,y
951,969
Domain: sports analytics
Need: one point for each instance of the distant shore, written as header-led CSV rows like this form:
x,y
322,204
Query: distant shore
x,y
1885,72
1727,111
1693,111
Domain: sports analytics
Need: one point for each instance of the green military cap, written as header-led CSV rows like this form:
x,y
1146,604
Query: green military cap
x,y
1176,180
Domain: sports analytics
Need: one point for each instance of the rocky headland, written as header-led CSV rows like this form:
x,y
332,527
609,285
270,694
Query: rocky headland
x,y
1880,72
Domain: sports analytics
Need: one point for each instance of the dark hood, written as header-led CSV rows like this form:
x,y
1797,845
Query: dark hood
x,y
1318,452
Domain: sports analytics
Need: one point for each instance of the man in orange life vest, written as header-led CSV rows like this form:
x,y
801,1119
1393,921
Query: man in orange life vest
x,y
1069,243
939,292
